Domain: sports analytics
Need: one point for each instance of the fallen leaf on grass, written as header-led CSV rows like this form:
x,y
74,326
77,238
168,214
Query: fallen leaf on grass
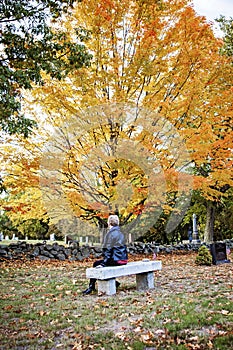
x,y
30,336
222,332
103,303
147,337
54,321
135,322
159,331
121,335
167,321
225,312
137,330
68,292
8,307
59,287
89,328
194,338
77,346
18,311
43,313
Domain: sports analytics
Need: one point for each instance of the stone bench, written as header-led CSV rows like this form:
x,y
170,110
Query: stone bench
x,y
144,271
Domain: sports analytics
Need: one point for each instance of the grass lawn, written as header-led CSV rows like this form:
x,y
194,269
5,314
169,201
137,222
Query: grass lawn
x,y
42,307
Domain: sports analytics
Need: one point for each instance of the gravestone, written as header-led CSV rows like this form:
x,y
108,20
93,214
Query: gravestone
x,y
219,253
195,236
130,238
52,237
68,239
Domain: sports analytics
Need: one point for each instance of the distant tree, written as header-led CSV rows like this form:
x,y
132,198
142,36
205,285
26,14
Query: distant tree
x,y
7,227
33,228
226,25
29,46
223,227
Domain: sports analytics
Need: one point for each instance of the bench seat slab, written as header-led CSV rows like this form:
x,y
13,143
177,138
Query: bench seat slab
x,y
131,268
106,276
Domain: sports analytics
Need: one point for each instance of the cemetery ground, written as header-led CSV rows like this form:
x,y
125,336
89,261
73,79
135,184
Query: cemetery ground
x,y
42,307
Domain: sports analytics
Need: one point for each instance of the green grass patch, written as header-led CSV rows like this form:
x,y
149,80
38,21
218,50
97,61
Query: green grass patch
x,y
42,307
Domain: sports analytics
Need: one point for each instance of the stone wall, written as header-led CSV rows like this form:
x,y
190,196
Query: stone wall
x,y
74,252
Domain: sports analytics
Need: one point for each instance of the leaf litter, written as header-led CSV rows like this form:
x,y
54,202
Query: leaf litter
x,y
42,305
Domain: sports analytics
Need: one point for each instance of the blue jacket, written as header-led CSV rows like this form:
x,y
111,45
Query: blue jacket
x,y
114,247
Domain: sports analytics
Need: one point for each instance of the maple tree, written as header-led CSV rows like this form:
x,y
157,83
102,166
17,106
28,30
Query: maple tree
x,y
156,55
21,198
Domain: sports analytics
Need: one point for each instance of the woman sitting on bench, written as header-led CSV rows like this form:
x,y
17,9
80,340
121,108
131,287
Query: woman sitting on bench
x,y
114,250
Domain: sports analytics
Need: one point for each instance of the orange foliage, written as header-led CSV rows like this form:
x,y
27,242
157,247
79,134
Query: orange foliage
x,y
157,55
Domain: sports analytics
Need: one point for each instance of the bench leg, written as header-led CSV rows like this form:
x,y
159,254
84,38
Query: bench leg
x,y
107,287
145,281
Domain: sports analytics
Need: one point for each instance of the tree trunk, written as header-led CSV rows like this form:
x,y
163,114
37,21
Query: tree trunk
x,y
209,227
102,232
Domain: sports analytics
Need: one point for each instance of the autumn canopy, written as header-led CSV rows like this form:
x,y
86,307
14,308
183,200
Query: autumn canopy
x,y
137,131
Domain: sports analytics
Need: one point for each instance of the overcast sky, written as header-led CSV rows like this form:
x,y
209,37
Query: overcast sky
x,y
213,9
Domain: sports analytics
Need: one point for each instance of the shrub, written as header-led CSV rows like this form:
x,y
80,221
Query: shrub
x,y
204,256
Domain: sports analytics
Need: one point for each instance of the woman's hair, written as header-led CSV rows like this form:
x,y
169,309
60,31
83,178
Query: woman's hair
x,y
113,220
